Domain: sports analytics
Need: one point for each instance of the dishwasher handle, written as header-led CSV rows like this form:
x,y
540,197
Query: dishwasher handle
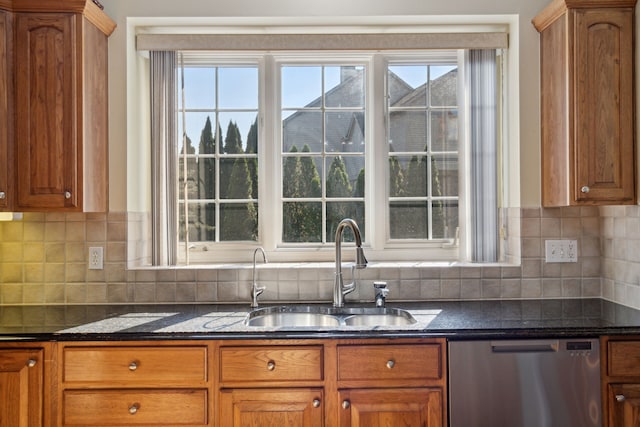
x,y
525,346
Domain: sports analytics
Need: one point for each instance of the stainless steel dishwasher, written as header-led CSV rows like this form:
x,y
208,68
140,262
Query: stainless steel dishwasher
x,y
525,383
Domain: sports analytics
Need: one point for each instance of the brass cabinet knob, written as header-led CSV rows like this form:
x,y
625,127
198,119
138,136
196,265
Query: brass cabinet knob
x,y
133,365
620,398
67,194
346,404
31,363
271,365
3,195
133,409
316,403
391,363
585,189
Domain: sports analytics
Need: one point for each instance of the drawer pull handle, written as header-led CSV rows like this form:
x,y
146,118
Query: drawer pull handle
x,y
346,404
133,365
271,365
316,403
133,409
391,363
31,363
620,398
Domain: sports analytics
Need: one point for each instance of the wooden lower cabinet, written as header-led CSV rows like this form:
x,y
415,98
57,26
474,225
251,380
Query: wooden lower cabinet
x,y
154,383
391,407
620,362
332,382
271,407
22,387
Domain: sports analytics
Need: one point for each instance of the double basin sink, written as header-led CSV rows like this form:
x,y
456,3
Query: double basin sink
x,y
318,316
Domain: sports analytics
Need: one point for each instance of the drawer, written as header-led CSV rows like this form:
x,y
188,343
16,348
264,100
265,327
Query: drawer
x,y
271,363
134,407
134,364
389,362
624,358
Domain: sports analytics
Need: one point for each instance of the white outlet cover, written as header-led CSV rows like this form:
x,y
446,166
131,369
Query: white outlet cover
x,y
96,258
561,250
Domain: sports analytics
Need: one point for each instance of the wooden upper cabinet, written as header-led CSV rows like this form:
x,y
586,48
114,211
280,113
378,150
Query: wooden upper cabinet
x,y
6,91
587,102
60,143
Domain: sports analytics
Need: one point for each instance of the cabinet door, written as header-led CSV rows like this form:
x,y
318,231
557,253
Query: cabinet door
x,y
624,405
271,407
604,109
5,116
46,106
391,407
21,388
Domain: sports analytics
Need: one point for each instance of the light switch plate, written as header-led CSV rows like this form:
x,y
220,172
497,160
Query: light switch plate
x,y
561,250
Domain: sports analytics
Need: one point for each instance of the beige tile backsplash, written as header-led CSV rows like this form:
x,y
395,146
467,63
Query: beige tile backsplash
x,y
43,260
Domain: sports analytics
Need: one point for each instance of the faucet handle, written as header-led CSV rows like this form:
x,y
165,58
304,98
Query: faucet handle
x,y
381,293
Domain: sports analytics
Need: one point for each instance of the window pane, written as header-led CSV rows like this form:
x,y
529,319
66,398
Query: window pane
x,y
343,173
235,179
445,219
408,131
238,87
202,220
303,128
238,221
408,175
444,130
199,87
300,177
301,86
408,84
444,176
344,86
337,211
236,127
345,132
301,222
409,220
444,83
200,132
200,178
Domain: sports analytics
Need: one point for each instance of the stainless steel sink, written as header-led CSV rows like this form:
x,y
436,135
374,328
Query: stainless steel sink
x,y
301,316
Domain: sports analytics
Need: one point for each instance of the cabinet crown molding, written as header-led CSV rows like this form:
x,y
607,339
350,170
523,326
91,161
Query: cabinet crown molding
x,y
88,8
557,8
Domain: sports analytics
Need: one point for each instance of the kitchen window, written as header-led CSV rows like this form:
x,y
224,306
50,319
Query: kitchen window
x,y
274,148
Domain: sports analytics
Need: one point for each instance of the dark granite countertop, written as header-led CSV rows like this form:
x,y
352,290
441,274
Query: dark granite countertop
x,y
451,319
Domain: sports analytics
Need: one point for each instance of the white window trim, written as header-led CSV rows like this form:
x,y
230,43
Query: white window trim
x,y
138,188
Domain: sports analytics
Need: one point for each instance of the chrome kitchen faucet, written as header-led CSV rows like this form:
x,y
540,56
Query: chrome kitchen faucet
x,y
339,288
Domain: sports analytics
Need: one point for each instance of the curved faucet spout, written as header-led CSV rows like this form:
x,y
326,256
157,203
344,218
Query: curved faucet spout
x,y
339,288
255,289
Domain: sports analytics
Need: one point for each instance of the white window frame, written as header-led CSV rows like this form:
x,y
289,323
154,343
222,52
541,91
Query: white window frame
x,y
378,248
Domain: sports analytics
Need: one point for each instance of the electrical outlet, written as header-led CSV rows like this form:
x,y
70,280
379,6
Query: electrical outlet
x,y
96,260
561,250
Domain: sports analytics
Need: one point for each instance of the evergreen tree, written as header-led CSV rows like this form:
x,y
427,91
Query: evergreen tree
x,y
290,170
358,190
239,221
396,184
206,183
438,220
337,186
309,180
252,148
232,145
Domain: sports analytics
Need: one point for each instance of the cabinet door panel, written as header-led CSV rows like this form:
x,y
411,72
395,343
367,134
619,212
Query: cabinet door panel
x,y
271,408
46,106
604,138
5,115
391,407
21,388
624,404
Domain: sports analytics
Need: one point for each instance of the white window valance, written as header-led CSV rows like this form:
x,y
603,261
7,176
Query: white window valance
x,y
301,42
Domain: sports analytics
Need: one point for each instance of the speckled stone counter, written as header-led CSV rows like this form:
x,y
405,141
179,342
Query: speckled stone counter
x,y
451,319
